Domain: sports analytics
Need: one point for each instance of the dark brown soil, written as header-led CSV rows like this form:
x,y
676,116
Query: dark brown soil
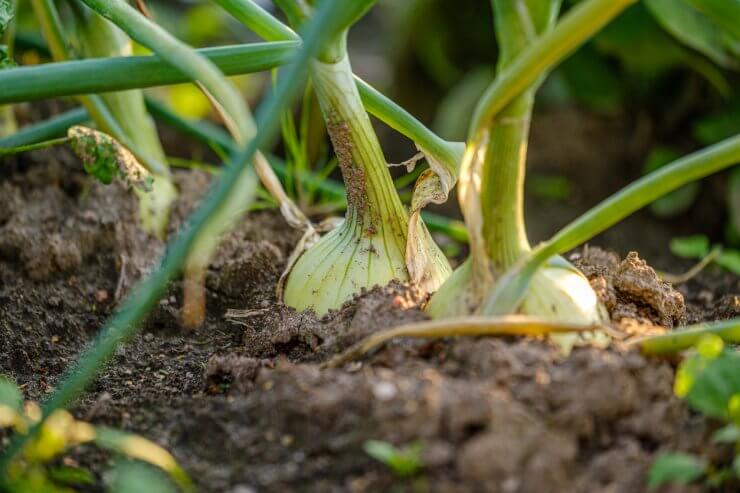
x,y
242,402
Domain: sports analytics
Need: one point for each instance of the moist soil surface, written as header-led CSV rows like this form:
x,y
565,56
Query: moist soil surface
x,y
243,404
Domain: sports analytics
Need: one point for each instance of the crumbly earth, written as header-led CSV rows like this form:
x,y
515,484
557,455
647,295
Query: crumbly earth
x,y
243,404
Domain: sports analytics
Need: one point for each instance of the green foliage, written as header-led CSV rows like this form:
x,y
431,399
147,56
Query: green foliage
x,y
70,476
202,22
592,81
730,260
6,61
719,124
643,49
716,386
135,477
6,14
696,246
727,434
724,12
709,381
303,144
10,395
405,462
704,33
458,104
37,470
710,129
675,468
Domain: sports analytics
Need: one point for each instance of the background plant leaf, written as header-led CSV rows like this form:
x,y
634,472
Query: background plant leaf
x,y
135,477
675,468
724,12
730,260
715,385
701,32
73,476
404,462
10,395
727,434
696,246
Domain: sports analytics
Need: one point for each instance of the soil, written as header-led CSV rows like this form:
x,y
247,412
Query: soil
x,y
243,405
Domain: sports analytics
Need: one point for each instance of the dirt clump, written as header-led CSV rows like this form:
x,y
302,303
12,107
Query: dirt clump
x,y
630,289
278,329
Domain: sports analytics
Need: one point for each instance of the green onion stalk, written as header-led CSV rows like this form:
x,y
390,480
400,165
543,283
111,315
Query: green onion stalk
x,y
492,197
121,114
370,246
237,119
8,123
99,38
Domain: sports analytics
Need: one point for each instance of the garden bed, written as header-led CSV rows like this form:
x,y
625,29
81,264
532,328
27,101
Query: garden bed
x,y
242,402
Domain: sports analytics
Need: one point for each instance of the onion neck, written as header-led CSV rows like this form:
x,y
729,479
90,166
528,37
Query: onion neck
x,y
373,206
502,187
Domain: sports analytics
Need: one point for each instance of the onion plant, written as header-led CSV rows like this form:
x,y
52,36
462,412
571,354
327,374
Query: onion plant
x,y
370,246
122,114
492,192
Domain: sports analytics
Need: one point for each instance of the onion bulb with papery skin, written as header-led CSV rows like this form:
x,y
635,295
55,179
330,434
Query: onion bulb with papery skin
x,y
342,263
558,293
369,247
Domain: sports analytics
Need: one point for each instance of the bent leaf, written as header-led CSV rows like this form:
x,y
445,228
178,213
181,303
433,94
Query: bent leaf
x,y
427,266
105,158
469,193
510,325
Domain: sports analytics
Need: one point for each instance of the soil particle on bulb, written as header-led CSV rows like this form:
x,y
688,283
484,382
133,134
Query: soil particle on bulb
x,y
353,175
